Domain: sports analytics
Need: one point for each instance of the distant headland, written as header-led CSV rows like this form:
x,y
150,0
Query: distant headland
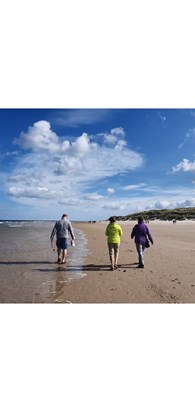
x,y
163,214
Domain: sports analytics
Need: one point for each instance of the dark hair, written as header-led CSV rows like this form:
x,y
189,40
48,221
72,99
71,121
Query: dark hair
x,y
140,219
64,215
112,219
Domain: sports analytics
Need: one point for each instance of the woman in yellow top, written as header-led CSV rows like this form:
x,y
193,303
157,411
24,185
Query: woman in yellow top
x,y
114,232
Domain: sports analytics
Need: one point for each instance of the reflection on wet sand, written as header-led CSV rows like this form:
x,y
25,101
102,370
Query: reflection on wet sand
x,y
28,270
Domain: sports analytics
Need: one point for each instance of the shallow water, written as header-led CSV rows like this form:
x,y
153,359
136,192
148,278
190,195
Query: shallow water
x,y
28,269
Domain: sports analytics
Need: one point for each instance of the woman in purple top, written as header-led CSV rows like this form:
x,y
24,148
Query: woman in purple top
x,y
140,232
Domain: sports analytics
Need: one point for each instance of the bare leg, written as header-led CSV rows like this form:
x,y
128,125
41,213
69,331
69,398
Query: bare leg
x,y
64,254
111,254
59,253
116,258
112,261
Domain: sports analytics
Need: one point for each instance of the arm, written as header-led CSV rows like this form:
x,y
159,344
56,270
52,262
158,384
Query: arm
x,y
150,236
53,233
70,229
133,233
120,231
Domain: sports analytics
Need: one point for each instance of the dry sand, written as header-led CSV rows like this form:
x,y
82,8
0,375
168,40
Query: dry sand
x,y
168,276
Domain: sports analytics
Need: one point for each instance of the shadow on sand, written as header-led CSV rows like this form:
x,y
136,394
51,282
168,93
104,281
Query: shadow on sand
x,y
33,262
88,268
60,267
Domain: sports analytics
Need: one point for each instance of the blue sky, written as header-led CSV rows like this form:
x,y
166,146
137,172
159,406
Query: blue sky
x,y
93,163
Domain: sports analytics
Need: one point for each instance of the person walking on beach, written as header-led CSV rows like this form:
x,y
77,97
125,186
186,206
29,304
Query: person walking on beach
x,y
141,233
114,233
63,231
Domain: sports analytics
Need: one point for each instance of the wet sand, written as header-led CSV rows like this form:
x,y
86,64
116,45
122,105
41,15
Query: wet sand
x,y
28,269
168,276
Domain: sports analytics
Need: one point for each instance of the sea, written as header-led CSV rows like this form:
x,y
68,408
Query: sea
x,y
29,272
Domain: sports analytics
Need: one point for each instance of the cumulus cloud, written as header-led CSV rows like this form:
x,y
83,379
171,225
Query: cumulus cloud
x,y
163,204
39,136
126,206
120,144
116,135
118,131
52,167
83,145
172,205
184,165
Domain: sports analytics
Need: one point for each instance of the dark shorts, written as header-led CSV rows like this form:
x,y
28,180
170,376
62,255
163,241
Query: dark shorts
x,y
62,243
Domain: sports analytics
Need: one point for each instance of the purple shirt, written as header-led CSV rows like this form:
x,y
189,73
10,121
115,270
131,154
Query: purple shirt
x,y
139,232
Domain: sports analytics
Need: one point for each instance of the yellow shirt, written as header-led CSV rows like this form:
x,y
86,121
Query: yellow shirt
x,y
114,232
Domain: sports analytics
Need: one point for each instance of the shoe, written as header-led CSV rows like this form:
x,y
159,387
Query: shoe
x,y
63,261
111,268
140,266
59,260
116,266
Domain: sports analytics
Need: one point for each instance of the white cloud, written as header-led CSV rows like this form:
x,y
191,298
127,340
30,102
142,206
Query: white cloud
x,y
117,205
79,117
94,196
133,187
39,136
120,144
161,204
138,204
39,192
118,131
24,178
184,165
110,190
114,136
63,170
72,201
82,145
172,205
110,138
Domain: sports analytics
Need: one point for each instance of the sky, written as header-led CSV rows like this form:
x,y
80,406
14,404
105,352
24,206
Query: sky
x,y
94,163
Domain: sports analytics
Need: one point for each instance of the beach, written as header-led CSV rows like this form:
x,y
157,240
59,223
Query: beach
x,y
168,275
29,272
